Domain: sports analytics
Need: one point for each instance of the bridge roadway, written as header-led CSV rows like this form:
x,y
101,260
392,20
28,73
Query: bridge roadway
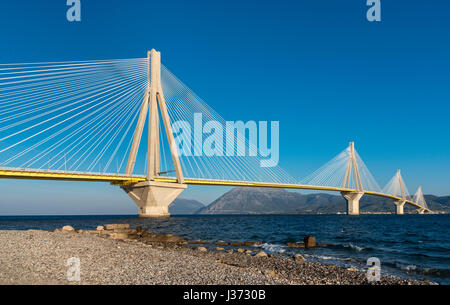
x,y
11,173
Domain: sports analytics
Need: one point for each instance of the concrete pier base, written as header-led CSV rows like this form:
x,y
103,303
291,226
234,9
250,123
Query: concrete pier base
x,y
153,198
352,199
421,211
399,205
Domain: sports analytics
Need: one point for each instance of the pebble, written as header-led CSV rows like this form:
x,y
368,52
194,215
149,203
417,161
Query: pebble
x,y
40,257
299,258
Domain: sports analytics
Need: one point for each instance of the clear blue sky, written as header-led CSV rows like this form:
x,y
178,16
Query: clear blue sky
x,y
319,67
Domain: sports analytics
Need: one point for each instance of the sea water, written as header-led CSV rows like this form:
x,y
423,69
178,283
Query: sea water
x,y
415,246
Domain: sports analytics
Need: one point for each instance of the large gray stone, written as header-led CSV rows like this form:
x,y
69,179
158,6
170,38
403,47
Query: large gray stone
x,y
68,229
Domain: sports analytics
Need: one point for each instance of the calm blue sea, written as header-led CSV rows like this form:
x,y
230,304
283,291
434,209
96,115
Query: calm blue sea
x,y
416,246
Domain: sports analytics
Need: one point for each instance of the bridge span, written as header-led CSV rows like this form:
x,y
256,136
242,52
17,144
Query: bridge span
x,y
123,180
74,115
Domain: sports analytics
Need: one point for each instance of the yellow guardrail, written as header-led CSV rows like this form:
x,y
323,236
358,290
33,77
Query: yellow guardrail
x,y
127,180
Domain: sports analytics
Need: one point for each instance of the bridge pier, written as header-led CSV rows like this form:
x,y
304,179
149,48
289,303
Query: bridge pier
x,y
421,211
153,198
399,203
352,199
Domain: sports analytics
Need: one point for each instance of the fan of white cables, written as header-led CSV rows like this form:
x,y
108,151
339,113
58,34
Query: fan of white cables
x,y
394,187
183,104
420,199
72,116
332,173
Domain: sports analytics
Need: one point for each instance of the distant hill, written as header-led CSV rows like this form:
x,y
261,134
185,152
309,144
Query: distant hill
x,y
185,206
248,200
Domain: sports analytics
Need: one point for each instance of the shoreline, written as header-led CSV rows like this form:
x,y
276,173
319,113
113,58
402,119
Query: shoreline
x,y
121,256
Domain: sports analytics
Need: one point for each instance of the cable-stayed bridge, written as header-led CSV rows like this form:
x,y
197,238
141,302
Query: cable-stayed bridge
x,y
128,122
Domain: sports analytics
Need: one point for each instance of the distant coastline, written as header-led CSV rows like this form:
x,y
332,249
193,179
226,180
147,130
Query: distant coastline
x,y
264,201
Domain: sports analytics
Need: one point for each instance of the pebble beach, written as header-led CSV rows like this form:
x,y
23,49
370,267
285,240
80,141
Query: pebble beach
x,y
126,257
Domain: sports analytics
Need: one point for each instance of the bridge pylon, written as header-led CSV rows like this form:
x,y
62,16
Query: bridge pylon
x,y
420,200
399,186
352,197
421,211
399,204
153,197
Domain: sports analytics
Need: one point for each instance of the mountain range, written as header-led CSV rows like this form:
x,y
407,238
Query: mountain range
x,y
183,206
250,200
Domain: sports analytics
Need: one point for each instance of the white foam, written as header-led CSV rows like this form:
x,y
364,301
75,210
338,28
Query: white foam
x,y
274,248
406,267
354,247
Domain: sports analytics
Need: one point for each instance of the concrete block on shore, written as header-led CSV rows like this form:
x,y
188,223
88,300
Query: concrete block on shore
x,y
117,226
121,231
104,233
119,236
310,241
100,228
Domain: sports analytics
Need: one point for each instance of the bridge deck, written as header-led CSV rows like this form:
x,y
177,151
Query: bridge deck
x,y
126,180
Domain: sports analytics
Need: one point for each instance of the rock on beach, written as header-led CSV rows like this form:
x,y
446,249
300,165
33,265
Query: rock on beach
x,y
136,256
